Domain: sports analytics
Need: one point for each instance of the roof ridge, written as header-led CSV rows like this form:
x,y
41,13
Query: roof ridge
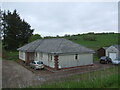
x,y
59,44
39,44
32,44
52,38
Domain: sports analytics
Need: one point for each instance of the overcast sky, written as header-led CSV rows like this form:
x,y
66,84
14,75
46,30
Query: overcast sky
x,y
60,18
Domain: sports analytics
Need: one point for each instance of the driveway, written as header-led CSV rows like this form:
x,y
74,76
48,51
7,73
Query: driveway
x,y
15,75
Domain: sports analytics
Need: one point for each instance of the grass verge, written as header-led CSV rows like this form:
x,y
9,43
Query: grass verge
x,y
107,78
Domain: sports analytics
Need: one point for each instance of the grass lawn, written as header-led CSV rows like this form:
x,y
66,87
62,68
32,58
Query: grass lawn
x,y
107,78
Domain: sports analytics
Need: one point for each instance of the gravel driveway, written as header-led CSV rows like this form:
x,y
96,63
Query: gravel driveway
x,y
15,75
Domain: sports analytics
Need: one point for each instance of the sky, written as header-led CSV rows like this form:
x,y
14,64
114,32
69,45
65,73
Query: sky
x,y
60,18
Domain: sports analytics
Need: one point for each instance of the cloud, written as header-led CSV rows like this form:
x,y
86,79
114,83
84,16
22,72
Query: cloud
x,y
50,19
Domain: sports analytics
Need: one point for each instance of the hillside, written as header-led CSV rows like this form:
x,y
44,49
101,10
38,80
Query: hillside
x,y
102,40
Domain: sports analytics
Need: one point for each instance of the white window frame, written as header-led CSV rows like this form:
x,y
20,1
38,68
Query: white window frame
x,y
50,57
76,56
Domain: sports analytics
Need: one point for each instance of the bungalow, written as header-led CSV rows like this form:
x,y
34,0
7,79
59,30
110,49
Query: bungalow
x,y
56,53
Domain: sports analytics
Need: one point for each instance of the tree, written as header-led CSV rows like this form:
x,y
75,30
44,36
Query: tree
x,y
16,32
35,37
1,25
57,36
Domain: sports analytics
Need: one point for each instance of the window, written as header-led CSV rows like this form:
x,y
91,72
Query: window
x,y
76,56
51,57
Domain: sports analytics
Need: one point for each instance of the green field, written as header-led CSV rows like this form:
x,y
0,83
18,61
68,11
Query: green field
x,y
107,78
102,40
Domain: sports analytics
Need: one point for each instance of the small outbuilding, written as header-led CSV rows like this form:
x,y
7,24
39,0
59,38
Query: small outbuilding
x,y
102,51
56,53
113,51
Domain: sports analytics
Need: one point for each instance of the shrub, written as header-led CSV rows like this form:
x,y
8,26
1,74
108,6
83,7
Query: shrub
x,y
89,38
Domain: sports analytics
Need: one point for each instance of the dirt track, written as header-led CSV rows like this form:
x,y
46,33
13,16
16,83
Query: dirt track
x,y
16,76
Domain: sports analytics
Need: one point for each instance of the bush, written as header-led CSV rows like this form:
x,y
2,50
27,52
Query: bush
x,y
89,38
10,55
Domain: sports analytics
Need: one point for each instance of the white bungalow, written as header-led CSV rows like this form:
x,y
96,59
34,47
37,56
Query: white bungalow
x,y
56,53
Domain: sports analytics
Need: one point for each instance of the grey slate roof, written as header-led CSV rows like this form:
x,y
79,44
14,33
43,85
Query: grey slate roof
x,y
117,46
56,45
30,47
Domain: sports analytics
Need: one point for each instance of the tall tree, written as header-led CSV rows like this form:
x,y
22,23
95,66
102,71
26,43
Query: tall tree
x,y
16,31
0,25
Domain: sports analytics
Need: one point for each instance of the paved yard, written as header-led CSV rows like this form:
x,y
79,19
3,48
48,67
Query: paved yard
x,y
14,75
